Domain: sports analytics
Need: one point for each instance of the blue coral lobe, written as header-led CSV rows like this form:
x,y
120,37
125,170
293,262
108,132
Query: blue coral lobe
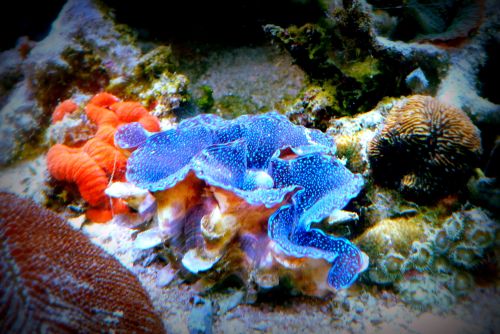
x,y
261,158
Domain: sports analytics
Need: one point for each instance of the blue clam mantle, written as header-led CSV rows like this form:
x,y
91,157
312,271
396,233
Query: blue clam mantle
x,y
261,159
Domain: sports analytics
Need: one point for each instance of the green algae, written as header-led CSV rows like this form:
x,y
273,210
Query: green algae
x,y
30,148
203,98
350,151
363,70
232,106
313,107
82,69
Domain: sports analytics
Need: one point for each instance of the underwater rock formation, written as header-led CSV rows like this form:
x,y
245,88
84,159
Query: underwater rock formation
x,y
82,52
356,53
53,279
452,45
247,191
338,56
344,55
447,24
425,148
98,160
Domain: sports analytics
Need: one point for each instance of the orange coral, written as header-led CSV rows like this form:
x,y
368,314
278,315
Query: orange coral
x,y
134,112
53,279
94,164
103,99
62,109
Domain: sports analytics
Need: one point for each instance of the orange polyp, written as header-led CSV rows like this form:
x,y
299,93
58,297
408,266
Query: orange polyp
x,y
103,100
150,123
55,155
62,109
106,156
106,133
129,111
134,112
101,116
99,215
66,164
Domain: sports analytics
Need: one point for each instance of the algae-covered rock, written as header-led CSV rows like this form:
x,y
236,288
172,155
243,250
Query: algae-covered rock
x,y
312,108
154,82
344,55
82,51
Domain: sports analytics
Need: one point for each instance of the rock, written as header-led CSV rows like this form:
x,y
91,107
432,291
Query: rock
x,y
200,318
81,53
230,302
165,276
417,81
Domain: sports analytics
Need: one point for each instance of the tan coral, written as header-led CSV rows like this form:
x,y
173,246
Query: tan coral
x,y
425,148
388,244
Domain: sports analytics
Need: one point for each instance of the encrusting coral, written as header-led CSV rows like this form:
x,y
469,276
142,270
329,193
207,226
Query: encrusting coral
x,y
465,238
53,279
251,186
425,148
92,165
431,255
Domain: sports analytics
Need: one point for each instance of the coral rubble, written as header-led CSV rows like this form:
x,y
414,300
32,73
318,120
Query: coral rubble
x,y
425,148
53,279
220,184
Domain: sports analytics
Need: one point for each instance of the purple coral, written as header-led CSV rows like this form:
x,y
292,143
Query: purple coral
x,y
261,159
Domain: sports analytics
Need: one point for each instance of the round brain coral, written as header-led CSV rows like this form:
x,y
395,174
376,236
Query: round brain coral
x,y
54,280
425,148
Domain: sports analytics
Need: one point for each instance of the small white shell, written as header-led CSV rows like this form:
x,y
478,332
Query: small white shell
x,y
125,190
148,239
195,263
